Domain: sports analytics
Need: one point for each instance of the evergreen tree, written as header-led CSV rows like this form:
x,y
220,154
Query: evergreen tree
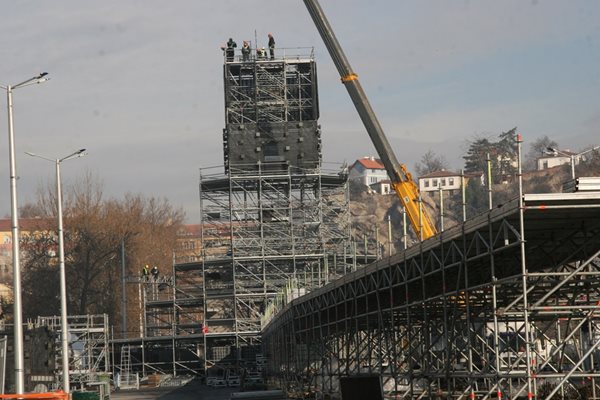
x,y
506,156
475,160
502,154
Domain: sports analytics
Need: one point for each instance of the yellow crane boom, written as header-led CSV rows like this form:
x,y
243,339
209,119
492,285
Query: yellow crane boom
x,y
401,179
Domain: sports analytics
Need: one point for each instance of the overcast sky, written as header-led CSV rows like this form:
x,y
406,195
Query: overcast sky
x,y
139,83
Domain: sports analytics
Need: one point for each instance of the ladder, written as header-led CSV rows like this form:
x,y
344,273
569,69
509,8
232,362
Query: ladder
x,y
127,379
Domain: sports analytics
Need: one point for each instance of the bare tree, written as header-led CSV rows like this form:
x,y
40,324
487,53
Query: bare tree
x,y
430,162
537,148
95,229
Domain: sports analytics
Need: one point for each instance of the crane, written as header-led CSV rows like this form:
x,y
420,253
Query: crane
x,y
402,180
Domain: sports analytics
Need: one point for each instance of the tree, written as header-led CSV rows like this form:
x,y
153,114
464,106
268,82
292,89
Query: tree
x,y
589,165
430,162
475,159
537,148
94,230
506,155
502,155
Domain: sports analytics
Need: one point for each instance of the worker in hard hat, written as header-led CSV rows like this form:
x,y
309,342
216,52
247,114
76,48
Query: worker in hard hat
x,y
145,272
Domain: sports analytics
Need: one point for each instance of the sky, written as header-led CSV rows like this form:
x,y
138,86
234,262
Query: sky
x,y
138,83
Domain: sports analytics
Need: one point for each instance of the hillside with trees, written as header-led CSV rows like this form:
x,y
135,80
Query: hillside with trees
x,y
370,211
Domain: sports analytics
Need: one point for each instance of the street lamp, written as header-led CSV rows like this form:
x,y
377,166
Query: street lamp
x,y
17,307
555,151
61,260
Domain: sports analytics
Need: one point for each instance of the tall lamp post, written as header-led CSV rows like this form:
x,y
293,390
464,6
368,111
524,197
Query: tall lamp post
x,y
572,157
17,307
61,260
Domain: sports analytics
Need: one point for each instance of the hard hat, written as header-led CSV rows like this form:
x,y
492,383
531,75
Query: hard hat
x,y
262,48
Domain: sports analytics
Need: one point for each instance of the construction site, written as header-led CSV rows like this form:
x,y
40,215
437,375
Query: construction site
x,y
281,294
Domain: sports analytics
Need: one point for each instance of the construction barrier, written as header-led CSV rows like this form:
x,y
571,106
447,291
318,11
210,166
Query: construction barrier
x,y
58,395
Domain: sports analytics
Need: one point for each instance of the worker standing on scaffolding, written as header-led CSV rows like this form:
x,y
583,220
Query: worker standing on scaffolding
x,y
155,273
271,46
246,51
229,51
145,272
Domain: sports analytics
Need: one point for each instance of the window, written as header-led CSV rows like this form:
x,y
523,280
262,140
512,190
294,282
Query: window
x,y
443,182
451,181
425,182
434,183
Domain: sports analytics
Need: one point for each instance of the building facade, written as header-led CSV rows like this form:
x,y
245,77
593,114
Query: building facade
x,y
368,171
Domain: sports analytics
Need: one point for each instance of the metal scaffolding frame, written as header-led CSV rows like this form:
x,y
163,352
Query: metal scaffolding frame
x,y
505,305
170,326
275,216
261,230
271,113
281,90
89,358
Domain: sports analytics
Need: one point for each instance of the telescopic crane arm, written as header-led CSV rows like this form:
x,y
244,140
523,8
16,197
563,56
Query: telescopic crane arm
x,y
401,179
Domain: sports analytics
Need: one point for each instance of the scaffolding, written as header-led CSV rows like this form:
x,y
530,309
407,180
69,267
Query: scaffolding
x,y
274,216
89,358
261,230
271,113
505,305
170,324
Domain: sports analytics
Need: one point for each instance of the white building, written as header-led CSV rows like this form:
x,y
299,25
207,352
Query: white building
x,y
562,157
449,181
382,187
432,182
368,170
554,160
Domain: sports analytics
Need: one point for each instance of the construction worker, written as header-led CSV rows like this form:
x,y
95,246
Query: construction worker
x,y
271,46
145,272
155,272
229,51
245,51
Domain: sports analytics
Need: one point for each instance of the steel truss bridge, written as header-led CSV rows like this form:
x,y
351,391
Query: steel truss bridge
x,y
506,305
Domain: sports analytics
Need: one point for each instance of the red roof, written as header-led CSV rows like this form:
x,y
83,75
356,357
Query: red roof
x,y
440,174
370,163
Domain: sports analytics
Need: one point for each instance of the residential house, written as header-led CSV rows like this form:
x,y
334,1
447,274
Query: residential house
x,y
555,159
368,170
382,187
449,181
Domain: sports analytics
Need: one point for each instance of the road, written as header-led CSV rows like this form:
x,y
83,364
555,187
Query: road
x,y
193,390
